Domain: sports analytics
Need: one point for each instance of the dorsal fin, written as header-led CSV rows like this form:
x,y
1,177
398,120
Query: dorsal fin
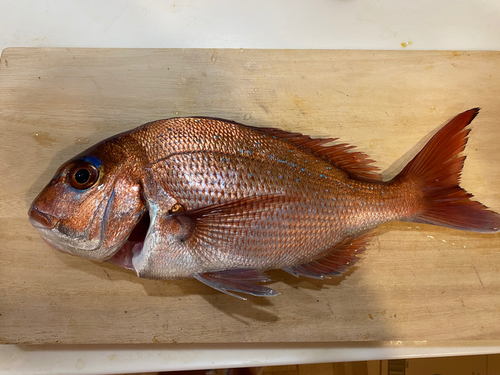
x,y
336,263
357,164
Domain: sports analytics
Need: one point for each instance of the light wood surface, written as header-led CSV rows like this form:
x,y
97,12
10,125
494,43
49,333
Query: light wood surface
x,y
415,282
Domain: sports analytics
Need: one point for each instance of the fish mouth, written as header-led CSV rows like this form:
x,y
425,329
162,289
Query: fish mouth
x,y
40,219
133,245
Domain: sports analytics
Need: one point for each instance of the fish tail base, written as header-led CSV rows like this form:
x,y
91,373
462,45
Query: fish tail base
x,y
436,170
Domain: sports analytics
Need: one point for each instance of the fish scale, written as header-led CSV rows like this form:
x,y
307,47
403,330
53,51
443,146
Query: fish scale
x,y
226,202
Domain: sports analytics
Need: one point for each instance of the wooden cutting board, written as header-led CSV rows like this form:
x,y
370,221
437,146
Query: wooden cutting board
x,y
416,282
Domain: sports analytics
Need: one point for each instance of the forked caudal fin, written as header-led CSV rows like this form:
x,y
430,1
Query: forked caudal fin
x,y
437,168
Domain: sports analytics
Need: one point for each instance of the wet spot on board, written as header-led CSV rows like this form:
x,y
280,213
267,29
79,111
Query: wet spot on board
x,y
214,57
82,141
43,139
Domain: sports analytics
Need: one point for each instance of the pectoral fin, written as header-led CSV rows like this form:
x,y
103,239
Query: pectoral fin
x,y
220,224
238,280
241,207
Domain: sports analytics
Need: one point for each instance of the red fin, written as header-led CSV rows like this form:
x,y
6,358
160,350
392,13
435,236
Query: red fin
x,y
240,206
357,164
238,280
437,168
241,213
334,264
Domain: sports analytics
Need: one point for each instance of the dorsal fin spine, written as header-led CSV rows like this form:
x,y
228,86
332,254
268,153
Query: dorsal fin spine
x,y
356,164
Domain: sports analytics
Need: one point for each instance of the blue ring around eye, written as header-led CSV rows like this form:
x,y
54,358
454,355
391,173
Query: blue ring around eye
x,y
93,160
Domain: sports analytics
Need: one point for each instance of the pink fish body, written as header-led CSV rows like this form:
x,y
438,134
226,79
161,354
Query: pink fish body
x,y
226,202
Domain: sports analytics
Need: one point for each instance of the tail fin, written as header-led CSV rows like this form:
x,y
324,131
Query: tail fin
x,y
437,167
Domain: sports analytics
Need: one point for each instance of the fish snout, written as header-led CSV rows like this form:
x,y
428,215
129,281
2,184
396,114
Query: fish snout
x,y
41,219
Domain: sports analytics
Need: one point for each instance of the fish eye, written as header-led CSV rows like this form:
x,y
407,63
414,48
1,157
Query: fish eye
x,y
83,175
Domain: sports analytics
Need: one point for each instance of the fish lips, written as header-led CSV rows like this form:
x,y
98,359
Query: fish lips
x,y
41,220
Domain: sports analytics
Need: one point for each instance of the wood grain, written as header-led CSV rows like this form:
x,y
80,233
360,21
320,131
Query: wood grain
x,y
415,282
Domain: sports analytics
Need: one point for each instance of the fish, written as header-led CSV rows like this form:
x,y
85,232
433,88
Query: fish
x,y
222,202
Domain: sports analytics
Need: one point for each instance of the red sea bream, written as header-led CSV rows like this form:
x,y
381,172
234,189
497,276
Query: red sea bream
x,y
223,202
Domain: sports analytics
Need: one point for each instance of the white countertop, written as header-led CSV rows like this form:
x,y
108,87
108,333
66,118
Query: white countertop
x,y
335,24
122,359
295,24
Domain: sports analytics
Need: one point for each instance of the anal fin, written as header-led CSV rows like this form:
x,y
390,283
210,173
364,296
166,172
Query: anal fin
x,y
336,263
238,280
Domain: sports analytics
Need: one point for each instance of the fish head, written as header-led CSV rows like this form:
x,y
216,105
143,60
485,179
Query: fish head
x,y
93,202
